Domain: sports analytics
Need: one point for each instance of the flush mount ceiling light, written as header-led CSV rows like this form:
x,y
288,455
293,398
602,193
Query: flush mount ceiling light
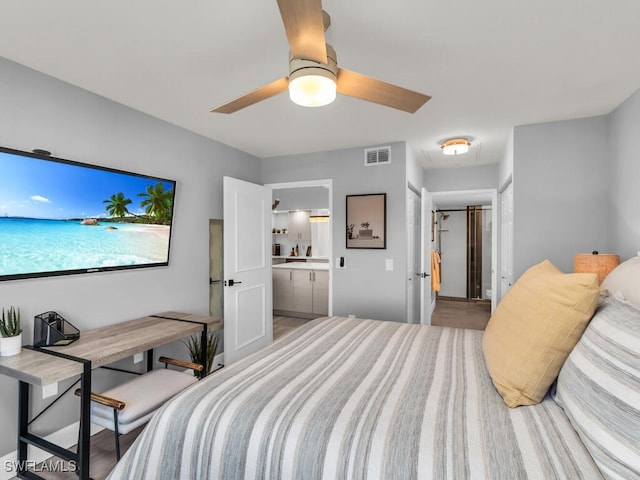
x,y
455,146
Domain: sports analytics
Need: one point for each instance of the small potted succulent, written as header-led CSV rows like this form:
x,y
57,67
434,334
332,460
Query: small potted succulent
x,y
10,332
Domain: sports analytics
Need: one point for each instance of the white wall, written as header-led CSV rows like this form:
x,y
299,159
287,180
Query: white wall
x,y
41,112
624,166
364,288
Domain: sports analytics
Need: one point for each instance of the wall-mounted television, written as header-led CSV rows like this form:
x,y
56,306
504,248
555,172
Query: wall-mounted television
x,y
61,217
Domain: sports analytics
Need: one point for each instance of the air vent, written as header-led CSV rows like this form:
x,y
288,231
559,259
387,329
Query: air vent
x,y
377,156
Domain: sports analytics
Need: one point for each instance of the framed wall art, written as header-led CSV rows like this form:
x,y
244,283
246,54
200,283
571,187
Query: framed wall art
x,y
367,221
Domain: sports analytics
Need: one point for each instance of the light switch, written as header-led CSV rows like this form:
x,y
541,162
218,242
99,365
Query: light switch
x,y
388,264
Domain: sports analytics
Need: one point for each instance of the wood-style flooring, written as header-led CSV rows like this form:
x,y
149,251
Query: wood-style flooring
x,y
461,314
103,457
284,325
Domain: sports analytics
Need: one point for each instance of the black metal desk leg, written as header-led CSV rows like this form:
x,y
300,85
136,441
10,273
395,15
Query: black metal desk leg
x,y
149,359
23,425
84,444
203,350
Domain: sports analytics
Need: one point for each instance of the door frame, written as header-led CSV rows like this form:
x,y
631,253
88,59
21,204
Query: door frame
x,y
473,195
501,191
328,184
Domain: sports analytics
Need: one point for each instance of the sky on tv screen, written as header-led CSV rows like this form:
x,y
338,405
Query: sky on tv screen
x,y
36,188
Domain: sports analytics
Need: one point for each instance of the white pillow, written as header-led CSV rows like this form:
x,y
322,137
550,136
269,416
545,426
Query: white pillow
x,y
624,281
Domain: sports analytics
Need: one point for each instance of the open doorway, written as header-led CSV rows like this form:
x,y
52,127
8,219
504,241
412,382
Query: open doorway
x,y
464,243
465,237
301,252
216,268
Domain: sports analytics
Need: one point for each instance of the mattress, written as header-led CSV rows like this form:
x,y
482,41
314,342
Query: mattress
x,y
347,398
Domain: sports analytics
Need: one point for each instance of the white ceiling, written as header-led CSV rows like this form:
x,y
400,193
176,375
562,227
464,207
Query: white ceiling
x,y
489,65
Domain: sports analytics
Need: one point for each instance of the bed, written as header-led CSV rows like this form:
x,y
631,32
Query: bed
x,y
349,398
343,398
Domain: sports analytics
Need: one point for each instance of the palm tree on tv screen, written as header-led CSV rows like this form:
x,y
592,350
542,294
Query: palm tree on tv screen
x,y
117,205
157,203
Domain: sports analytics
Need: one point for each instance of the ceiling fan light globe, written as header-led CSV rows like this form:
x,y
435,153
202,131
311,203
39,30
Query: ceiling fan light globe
x,y
312,90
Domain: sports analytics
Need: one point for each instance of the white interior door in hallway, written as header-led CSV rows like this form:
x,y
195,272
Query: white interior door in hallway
x,y
413,257
427,295
506,244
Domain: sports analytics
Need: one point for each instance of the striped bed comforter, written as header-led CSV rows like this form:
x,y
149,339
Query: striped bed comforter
x,y
357,399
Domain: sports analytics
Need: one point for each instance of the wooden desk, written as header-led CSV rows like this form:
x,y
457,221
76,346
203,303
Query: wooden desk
x,y
94,348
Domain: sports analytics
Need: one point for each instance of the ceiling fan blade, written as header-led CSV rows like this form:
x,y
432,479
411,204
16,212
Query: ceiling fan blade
x,y
304,25
376,91
256,96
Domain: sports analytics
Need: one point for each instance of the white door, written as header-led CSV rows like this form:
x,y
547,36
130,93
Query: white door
x,y
506,244
248,317
414,257
427,298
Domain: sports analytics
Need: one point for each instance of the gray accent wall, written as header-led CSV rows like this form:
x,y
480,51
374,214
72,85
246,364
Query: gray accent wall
x,y
39,111
415,172
624,170
364,288
306,198
561,182
505,166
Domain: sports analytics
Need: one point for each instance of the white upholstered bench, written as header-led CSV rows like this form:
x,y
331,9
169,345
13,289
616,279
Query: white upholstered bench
x,y
133,403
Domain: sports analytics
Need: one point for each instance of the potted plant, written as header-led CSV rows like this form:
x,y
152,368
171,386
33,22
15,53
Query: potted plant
x,y
350,230
10,333
195,350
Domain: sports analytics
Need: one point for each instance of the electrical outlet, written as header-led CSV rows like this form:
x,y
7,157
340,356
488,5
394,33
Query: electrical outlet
x,y
388,264
138,357
50,390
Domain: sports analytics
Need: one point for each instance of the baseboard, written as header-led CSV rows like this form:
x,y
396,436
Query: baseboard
x,y
65,437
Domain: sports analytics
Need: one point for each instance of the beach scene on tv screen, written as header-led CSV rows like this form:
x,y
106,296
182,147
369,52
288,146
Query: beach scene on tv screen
x,y
57,216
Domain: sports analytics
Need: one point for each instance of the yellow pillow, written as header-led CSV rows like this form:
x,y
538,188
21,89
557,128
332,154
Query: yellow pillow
x,y
534,328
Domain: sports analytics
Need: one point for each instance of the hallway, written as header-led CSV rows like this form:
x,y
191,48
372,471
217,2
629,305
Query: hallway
x,y
461,313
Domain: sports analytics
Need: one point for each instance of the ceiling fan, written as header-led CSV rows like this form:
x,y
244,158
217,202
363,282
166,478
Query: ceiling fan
x,y
314,77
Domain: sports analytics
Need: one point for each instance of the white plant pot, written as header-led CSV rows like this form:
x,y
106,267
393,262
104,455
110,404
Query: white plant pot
x,y
10,345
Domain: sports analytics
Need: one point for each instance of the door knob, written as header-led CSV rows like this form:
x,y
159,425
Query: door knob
x,y
230,283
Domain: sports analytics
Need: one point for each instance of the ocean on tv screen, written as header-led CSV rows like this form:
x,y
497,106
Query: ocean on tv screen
x,y
36,246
